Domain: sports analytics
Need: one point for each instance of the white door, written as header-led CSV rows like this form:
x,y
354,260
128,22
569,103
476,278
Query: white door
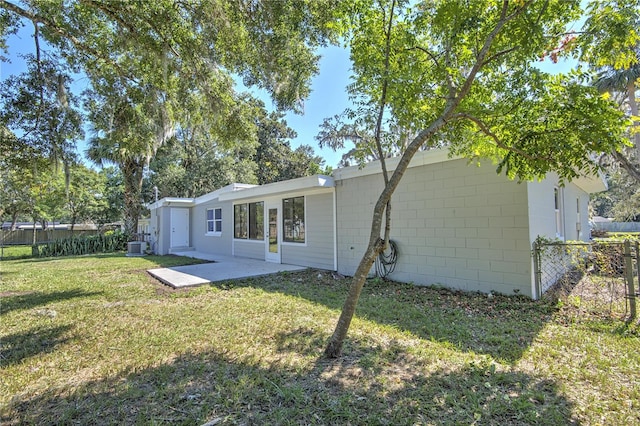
x,y
179,227
272,232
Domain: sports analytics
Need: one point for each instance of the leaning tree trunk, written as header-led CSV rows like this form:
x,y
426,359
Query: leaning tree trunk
x,y
377,244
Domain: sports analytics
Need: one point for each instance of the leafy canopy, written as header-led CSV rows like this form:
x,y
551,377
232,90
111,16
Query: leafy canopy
x,y
494,103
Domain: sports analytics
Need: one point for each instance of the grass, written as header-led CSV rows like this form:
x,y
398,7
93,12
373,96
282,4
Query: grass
x,y
95,340
16,252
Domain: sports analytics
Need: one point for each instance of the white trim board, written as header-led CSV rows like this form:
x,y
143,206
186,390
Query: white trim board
x,y
284,187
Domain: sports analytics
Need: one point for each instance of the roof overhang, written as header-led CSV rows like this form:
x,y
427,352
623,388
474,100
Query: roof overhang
x,y
216,194
588,183
172,202
308,184
421,158
592,183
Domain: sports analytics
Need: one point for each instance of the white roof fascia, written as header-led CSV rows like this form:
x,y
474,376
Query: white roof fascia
x,y
421,158
591,184
287,186
174,202
216,194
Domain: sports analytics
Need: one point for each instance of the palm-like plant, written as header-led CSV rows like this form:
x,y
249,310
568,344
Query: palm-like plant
x,y
129,127
625,83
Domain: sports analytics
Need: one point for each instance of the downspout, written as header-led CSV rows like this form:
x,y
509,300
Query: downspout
x,y
563,209
335,228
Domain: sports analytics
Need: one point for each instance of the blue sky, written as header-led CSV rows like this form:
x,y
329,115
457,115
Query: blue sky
x,y
328,96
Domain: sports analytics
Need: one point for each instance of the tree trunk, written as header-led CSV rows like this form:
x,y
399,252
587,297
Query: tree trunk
x,y
627,165
34,239
633,106
132,174
376,244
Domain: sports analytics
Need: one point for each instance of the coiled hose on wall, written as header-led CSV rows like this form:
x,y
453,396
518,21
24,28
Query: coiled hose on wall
x,y
386,261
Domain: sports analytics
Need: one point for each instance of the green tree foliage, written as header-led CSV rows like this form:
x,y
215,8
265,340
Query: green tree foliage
x,y
207,151
113,194
14,193
621,201
39,114
275,159
609,44
460,72
148,61
198,159
85,201
192,167
268,43
128,127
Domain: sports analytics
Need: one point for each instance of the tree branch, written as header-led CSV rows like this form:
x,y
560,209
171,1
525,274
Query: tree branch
x,y
383,95
452,103
497,55
431,55
633,171
36,39
51,25
378,135
487,131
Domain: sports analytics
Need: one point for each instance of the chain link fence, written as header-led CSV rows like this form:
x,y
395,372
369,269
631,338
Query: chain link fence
x,y
598,279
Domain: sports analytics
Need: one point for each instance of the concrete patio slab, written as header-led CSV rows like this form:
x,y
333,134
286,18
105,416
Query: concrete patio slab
x,y
222,268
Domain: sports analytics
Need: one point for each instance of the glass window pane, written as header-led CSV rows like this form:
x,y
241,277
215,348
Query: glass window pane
x,y
293,219
256,221
240,221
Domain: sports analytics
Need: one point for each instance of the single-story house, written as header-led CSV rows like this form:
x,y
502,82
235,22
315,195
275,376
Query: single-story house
x,y
455,224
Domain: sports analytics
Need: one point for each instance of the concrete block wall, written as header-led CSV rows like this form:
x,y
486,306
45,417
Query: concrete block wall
x,y
317,251
455,224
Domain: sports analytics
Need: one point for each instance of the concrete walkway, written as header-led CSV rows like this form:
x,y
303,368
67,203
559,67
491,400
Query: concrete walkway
x,y
223,268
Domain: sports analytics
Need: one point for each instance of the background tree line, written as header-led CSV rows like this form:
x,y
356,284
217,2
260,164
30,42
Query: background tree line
x,y
161,105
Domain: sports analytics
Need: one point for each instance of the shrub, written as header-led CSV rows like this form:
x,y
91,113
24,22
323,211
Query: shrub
x,y
73,246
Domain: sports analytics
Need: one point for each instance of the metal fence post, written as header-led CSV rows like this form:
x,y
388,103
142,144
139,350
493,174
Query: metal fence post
x,y
537,270
637,266
628,273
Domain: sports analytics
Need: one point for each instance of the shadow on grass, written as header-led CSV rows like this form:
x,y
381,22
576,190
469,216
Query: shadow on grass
x,y
500,326
14,348
82,256
12,302
15,257
154,261
211,387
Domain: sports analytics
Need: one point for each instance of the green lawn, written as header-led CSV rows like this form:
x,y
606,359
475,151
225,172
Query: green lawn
x,y
95,340
15,252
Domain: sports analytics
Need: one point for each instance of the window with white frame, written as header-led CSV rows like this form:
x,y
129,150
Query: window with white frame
x,y
293,220
248,221
214,221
